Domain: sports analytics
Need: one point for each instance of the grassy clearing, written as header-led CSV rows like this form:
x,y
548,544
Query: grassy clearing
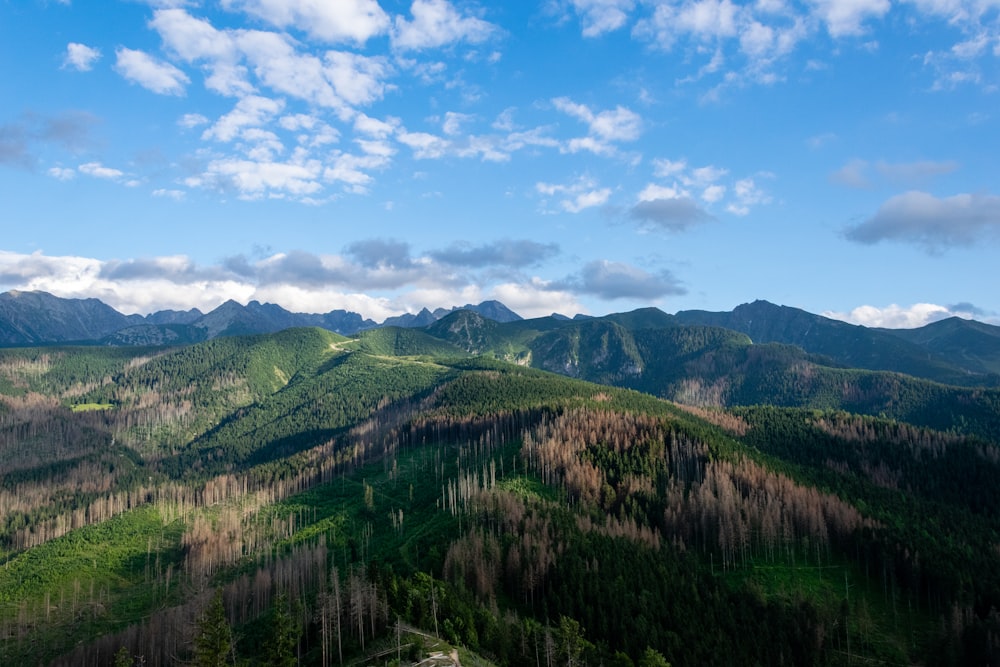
x,y
90,407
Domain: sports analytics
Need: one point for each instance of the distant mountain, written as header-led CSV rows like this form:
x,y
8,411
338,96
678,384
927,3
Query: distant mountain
x,y
966,343
852,345
494,310
344,322
39,318
603,349
409,320
491,310
33,318
174,316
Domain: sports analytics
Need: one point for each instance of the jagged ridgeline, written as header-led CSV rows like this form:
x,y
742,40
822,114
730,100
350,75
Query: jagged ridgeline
x,y
307,497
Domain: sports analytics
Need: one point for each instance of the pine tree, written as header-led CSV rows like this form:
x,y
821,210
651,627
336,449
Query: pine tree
x,y
123,658
653,658
280,649
213,646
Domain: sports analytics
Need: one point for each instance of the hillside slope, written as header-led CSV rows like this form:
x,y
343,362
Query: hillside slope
x,y
329,488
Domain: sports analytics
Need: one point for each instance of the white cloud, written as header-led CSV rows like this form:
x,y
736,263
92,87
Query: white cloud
x,y
62,173
379,148
703,176
663,168
425,146
708,18
373,127
301,300
713,193
332,79
654,191
60,275
673,205
84,277
339,80
358,79
702,19
618,124
375,278
586,200
191,38
196,40
97,170
605,128
453,122
757,40
255,179
249,112
352,169
154,75
538,136
437,23
277,64
80,57
747,194
847,17
191,120
176,195
537,298
601,16
336,21
746,42
577,196
893,316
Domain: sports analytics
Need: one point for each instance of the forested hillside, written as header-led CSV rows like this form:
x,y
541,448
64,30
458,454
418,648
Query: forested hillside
x,y
711,365
307,498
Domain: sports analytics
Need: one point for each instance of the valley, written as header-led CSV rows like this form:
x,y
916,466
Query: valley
x,y
672,494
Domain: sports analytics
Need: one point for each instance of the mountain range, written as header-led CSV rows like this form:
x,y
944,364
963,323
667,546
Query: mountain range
x,y
39,318
621,348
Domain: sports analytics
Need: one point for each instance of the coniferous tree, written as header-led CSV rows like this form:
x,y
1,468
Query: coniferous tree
x,y
280,650
653,658
213,646
123,658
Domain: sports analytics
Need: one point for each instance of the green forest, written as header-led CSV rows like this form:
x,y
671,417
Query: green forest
x,y
408,497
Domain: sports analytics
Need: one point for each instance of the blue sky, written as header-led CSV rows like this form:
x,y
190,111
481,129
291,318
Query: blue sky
x,y
591,156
